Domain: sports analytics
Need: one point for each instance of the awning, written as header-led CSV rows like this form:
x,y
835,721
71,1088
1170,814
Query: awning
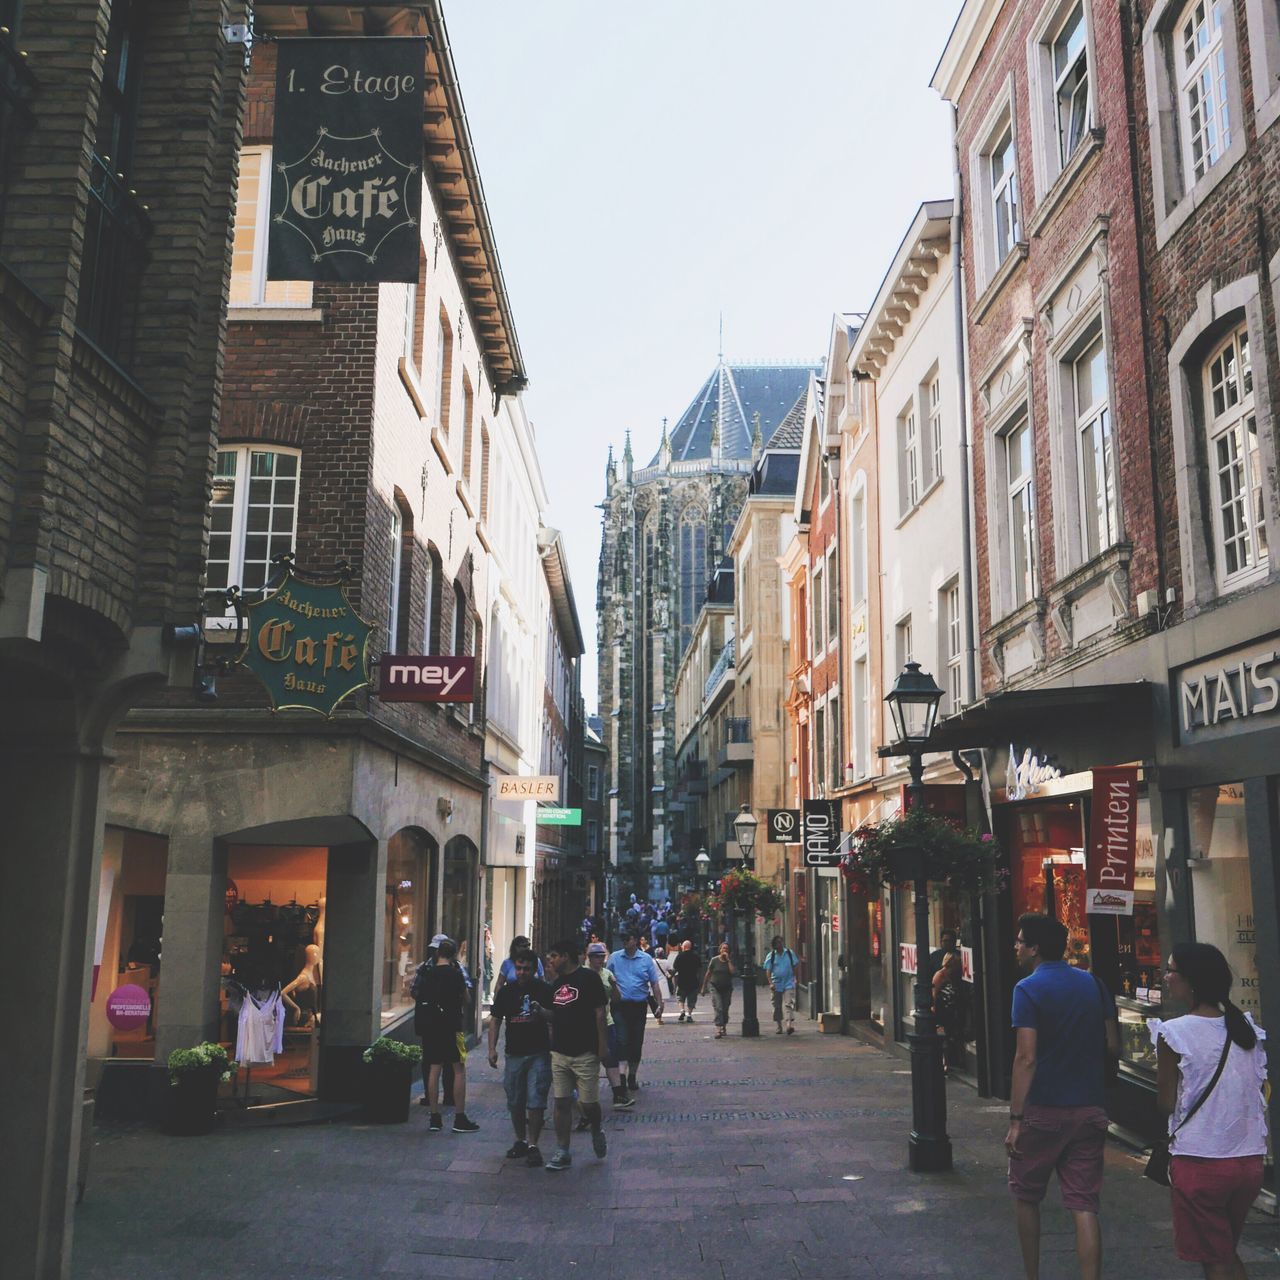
x,y
1020,714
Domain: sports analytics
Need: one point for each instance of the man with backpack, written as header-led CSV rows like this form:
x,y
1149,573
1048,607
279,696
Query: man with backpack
x,y
440,993
781,965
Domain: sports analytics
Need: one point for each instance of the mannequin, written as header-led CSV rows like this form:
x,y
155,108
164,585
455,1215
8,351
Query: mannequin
x,y
302,995
317,936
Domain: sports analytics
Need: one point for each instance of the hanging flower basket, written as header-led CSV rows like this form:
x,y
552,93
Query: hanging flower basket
x,y
890,852
744,891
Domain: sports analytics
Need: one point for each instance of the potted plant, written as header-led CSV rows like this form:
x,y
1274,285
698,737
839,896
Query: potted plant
x,y
388,1079
743,890
898,850
194,1076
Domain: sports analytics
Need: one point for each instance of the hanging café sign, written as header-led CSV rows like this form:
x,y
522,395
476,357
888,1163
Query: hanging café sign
x,y
346,182
307,645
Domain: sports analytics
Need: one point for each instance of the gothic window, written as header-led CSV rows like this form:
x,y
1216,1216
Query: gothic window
x,y
650,570
693,569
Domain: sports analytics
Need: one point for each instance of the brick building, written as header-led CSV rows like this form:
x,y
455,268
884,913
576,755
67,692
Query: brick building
x,y
359,426
119,127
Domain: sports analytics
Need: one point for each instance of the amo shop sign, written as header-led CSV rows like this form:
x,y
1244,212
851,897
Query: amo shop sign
x,y
308,646
346,183
415,678
821,833
1113,838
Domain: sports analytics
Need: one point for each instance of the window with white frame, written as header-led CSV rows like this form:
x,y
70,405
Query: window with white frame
x,y
1003,176
949,612
933,401
1235,470
249,284
253,515
1202,86
903,647
908,459
833,598
1095,454
393,592
858,551
593,782
835,754
819,612
820,746
861,724
1070,58
1015,446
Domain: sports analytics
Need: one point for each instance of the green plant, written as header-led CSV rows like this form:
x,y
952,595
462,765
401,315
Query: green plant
x,y
197,1058
385,1050
960,857
742,890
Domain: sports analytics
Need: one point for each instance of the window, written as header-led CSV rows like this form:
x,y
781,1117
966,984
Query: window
x,y
861,724
1005,228
820,748
459,620
858,554
444,371
1202,86
249,284
468,426
593,782
819,613
393,584
904,648
432,603
833,598
824,479
1235,470
908,460
593,835
951,647
1098,516
1020,514
835,759
1071,83
253,515
693,570
933,398
484,472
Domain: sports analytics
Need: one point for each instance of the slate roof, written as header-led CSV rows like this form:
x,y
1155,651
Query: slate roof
x,y
790,432
738,392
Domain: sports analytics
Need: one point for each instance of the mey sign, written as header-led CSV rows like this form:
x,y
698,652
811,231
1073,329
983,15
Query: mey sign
x,y
414,678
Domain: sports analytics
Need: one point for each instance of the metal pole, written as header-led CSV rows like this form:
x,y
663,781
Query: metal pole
x,y
929,1148
750,1020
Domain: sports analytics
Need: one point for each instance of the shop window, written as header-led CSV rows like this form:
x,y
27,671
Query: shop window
x,y
410,889
1221,891
458,899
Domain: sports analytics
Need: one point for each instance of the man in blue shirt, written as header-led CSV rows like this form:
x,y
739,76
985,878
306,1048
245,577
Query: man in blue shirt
x,y
781,965
1065,1021
637,977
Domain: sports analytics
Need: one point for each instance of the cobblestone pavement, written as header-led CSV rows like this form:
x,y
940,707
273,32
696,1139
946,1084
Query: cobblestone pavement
x,y
779,1157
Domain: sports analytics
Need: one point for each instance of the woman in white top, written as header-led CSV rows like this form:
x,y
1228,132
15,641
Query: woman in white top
x,y
1215,1166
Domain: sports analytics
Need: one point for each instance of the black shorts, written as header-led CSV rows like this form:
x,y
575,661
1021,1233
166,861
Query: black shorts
x,y
439,1048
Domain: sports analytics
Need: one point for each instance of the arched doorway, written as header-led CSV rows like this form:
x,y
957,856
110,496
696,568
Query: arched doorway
x,y
412,865
458,901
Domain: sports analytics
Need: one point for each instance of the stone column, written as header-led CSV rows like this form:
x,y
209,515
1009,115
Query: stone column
x,y
355,909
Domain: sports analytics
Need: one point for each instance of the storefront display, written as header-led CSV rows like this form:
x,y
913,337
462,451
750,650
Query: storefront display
x,y
828,896
411,879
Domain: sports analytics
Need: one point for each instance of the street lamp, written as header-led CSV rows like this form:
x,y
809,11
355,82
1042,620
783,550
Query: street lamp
x,y
913,702
744,830
702,865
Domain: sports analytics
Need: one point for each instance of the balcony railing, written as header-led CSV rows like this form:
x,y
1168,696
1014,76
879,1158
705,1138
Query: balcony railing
x,y
737,729
724,663
116,231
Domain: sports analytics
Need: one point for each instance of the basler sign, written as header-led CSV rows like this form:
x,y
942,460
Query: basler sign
x,y
1113,838
346,183
418,678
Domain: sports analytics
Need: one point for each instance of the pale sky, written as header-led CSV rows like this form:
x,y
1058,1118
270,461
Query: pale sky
x,y
649,167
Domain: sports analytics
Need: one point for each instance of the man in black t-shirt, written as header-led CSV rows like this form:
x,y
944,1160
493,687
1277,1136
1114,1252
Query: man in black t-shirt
x,y
441,993
527,1076
579,1040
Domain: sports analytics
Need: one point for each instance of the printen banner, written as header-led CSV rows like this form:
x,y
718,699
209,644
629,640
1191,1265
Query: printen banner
x,y
1113,833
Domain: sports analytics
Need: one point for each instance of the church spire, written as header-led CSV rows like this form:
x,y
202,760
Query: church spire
x,y
610,472
664,449
627,459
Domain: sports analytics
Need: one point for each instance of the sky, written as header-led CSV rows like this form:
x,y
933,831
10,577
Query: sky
x,y
651,168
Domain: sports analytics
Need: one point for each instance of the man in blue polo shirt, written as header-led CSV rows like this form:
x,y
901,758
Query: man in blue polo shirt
x,y
637,977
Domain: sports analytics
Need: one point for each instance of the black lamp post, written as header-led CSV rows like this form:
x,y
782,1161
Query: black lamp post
x,y
913,701
702,865
744,829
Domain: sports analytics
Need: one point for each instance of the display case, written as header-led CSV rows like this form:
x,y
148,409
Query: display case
x,y
1137,1053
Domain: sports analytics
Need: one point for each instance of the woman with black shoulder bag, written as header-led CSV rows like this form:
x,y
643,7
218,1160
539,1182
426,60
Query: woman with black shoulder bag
x,y
1210,1074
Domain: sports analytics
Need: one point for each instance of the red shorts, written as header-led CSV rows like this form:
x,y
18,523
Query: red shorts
x,y
1211,1200
1071,1141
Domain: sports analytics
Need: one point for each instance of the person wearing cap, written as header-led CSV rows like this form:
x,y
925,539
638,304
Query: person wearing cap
x,y
597,953
420,978
441,997
638,978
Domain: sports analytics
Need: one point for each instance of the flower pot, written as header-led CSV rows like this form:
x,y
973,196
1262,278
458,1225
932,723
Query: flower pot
x,y
907,865
386,1092
191,1106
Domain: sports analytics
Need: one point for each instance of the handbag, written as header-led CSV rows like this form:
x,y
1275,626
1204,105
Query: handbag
x,y
1158,1163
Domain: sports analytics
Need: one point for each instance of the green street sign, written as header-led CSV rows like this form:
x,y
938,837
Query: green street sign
x,y
551,817
307,645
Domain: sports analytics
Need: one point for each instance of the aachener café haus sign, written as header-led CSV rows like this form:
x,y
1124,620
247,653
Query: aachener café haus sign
x,y
307,645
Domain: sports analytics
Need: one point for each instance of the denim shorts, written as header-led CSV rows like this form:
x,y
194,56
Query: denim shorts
x,y
528,1081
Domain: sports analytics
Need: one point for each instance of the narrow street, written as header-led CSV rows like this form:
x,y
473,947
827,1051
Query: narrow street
x,y
781,1157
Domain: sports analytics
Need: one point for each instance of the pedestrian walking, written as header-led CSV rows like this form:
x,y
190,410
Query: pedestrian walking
x,y
1210,1075
1065,1022
663,962
526,1074
441,997
687,969
597,954
781,965
948,1009
638,979
579,1042
719,976
507,970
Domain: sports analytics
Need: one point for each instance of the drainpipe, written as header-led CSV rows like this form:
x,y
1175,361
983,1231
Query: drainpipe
x,y
966,517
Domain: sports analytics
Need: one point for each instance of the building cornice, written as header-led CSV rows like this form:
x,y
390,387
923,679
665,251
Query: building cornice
x,y
964,47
